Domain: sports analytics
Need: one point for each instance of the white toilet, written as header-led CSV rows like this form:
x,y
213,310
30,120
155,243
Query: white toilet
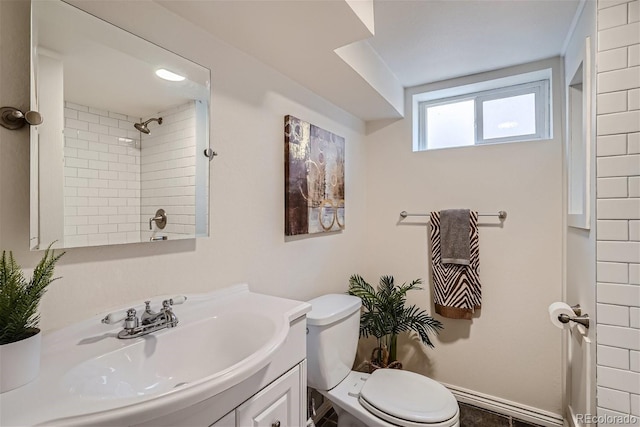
x,y
386,398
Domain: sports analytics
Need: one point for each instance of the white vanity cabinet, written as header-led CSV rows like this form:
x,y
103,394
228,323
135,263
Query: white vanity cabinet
x,y
228,420
280,404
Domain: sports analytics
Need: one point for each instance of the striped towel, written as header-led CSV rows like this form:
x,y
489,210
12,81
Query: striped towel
x,y
456,287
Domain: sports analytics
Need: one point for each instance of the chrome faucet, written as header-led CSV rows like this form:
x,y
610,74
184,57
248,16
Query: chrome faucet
x,y
149,316
150,321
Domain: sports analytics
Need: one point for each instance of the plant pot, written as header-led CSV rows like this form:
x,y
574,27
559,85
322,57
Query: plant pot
x,y
380,360
20,362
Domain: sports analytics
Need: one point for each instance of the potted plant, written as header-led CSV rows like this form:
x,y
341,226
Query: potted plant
x,y
20,337
385,316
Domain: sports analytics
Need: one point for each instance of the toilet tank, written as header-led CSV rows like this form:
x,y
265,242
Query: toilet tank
x,y
332,339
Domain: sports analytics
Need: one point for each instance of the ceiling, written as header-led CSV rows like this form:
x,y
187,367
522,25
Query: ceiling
x,y
427,41
361,54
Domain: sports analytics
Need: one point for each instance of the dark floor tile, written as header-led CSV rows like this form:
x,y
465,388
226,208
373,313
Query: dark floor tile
x,y
330,419
470,416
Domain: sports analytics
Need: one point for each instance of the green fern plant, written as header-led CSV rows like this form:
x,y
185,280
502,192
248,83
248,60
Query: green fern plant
x,y
19,297
385,315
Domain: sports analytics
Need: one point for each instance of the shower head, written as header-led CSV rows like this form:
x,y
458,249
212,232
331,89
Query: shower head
x,y
142,127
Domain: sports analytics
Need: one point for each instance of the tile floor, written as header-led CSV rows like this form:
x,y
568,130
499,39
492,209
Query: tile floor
x,y
470,416
330,419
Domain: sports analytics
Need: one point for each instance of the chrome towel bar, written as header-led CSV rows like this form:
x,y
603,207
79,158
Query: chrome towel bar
x,y
502,215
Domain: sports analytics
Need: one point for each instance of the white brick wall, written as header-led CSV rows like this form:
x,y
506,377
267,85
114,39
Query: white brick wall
x,y
618,208
168,175
102,177
113,186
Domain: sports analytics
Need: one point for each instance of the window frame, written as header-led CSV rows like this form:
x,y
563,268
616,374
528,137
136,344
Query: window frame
x,y
539,87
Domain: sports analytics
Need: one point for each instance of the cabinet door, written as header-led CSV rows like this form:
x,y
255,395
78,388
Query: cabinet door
x,y
277,405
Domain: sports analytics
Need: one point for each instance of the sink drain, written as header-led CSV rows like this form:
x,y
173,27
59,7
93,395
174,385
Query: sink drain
x,y
180,384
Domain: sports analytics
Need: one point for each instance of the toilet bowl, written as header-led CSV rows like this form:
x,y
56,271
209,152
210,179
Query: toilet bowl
x,y
385,398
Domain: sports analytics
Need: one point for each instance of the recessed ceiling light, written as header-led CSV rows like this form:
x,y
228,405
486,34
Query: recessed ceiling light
x,y
168,75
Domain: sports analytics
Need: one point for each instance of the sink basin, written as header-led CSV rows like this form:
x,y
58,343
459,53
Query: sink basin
x,y
155,366
90,377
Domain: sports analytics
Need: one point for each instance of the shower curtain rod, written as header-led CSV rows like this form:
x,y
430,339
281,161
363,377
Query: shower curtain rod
x,y
502,215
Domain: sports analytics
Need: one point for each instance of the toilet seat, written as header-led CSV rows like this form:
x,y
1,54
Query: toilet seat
x,y
408,399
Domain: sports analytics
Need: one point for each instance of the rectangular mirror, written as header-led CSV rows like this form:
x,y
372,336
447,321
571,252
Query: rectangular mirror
x,y
119,157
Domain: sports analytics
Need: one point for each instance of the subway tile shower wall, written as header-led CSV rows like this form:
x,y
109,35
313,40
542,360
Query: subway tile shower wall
x,y
168,172
618,207
102,177
117,178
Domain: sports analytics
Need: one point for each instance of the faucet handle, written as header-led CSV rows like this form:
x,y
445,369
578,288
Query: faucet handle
x,y
114,317
160,219
178,299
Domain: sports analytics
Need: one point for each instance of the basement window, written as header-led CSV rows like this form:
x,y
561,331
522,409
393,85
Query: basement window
x,y
483,113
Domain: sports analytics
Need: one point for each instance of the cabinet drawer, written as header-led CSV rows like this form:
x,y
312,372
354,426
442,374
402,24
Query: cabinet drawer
x,y
277,405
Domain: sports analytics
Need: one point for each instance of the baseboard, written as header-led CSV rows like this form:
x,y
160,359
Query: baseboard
x,y
506,407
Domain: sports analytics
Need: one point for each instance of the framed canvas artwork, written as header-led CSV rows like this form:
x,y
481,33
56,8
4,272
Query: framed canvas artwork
x,y
314,179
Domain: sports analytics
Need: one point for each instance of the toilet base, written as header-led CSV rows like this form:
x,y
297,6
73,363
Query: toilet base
x,y
345,419
353,414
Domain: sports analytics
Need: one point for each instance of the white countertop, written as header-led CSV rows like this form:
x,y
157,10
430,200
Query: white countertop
x,y
50,399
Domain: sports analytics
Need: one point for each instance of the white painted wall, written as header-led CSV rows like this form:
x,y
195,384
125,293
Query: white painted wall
x,y
247,243
510,350
618,209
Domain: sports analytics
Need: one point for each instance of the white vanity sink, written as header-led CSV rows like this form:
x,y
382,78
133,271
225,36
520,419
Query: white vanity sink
x,y
187,353
88,376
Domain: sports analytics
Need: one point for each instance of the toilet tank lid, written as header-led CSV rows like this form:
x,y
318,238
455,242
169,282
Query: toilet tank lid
x,y
329,308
